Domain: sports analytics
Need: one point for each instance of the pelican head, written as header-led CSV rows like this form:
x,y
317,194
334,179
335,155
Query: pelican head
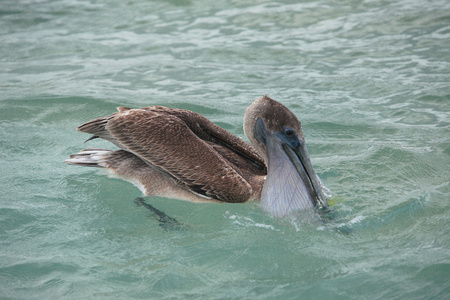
x,y
291,183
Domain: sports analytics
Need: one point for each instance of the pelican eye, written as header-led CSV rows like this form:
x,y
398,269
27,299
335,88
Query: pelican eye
x,y
289,132
289,137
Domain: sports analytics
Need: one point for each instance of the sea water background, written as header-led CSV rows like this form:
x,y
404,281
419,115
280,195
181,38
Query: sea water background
x,y
370,81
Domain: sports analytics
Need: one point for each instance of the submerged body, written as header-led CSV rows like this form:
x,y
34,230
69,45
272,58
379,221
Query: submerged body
x,y
180,154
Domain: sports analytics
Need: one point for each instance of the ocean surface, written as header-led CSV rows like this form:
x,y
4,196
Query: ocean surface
x,y
370,81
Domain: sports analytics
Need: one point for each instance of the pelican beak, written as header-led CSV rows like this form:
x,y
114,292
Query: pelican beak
x,y
299,158
291,182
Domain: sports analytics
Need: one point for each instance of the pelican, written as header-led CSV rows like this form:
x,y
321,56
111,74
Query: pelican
x,y
180,154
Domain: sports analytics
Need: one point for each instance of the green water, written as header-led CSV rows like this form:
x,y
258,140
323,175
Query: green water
x,y
370,81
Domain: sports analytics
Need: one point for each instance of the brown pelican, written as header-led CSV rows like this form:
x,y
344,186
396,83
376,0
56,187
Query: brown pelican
x,y
180,154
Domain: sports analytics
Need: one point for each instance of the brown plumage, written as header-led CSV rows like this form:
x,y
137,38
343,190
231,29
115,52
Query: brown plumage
x,y
180,154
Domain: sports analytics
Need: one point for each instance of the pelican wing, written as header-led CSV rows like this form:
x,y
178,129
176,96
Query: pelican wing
x,y
180,143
